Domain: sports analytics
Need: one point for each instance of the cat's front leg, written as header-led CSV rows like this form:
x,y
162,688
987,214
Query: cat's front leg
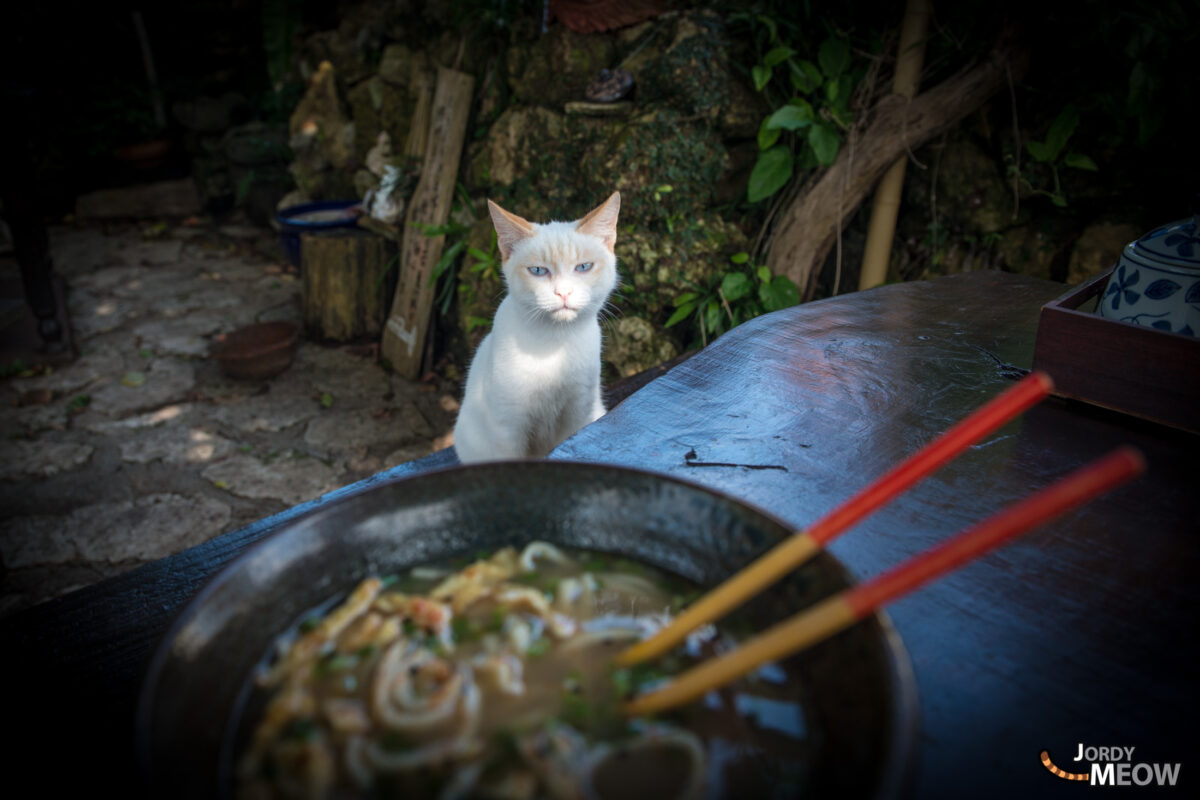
x,y
584,411
478,436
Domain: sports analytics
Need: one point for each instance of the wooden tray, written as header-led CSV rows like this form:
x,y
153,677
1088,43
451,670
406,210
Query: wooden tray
x,y
1130,368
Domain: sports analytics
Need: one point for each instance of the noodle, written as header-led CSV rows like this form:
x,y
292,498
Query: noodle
x,y
495,681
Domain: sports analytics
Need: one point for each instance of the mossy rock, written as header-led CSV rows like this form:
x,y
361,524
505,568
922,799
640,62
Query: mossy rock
x,y
530,163
643,155
378,105
657,267
691,74
557,66
970,187
1098,247
1040,249
514,142
633,344
742,116
395,65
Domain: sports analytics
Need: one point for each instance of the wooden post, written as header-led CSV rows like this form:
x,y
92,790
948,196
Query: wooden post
x,y
421,83
404,335
910,58
344,283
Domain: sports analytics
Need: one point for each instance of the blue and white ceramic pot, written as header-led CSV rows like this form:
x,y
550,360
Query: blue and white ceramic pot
x,y
1157,280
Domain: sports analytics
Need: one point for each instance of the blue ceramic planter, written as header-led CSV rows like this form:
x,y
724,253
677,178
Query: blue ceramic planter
x,y
1157,280
309,217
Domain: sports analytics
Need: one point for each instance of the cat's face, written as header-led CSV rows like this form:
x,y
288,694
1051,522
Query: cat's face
x,y
560,271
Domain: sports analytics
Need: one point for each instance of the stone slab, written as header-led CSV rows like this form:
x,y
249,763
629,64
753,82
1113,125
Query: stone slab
x,y
78,251
335,432
177,198
286,478
272,412
144,529
189,335
72,378
155,251
167,381
24,459
176,445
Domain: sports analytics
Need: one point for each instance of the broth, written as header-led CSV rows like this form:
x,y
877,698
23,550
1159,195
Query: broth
x,y
495,680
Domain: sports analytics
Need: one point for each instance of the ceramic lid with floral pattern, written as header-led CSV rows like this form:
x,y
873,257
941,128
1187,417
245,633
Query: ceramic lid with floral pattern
x,y
1175,246
1156,282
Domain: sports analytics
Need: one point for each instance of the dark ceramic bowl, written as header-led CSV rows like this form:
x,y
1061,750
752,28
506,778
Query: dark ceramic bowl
x,y
257,352
858,687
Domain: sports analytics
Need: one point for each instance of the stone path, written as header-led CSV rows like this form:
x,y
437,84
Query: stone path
x,y
141,447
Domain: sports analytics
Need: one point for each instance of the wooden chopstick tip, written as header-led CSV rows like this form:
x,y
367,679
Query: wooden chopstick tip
x,y
1044,380
1131,458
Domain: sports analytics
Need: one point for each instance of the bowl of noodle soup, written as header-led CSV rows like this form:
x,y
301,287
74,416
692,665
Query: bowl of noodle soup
x,y
451,635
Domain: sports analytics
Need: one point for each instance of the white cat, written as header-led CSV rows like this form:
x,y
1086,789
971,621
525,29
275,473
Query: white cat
x,y
535,379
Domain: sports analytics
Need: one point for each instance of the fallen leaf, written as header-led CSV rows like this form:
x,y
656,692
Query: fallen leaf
x,y
326,400
78,403
133,379
155,231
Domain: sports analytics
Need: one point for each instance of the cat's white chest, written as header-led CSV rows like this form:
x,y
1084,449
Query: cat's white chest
x,y
551,365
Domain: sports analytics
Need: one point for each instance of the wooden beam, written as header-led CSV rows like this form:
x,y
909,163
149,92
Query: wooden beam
x,y
404,334
809,226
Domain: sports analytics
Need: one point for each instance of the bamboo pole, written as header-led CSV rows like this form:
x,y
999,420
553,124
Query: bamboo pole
x,y
910,58
810,224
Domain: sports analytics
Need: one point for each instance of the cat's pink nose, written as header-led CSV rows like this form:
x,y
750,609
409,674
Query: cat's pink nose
x,y
563,294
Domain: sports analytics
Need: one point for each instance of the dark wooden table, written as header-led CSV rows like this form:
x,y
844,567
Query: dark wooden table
x,y
1082,633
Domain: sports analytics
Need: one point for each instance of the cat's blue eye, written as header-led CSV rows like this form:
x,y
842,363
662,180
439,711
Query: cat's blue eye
x,y
538,271
584,267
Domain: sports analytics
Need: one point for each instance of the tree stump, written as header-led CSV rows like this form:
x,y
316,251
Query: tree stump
x,y
347,280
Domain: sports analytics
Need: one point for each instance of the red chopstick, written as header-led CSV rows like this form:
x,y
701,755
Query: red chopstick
x,y
845,608
1014,401
797,549
1086,483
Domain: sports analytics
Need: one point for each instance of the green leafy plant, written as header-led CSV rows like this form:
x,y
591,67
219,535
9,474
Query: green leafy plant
x,y
444,276
741,292
806,129
1052,153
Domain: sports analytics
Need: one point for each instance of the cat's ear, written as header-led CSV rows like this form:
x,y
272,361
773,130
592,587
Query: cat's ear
x,y
510,229
601,221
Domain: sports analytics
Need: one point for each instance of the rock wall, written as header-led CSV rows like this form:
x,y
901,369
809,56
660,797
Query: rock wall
x,y
541,150
679,147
